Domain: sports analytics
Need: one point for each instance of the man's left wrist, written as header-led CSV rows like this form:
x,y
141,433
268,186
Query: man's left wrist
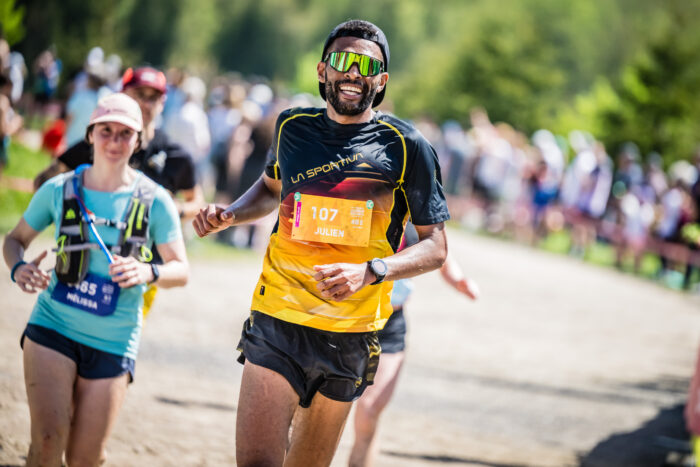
x,y
378,268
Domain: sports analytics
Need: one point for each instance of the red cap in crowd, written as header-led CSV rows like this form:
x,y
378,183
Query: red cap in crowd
x,y
144,76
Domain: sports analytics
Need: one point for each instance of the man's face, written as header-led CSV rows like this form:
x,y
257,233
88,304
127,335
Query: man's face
x,y
350,93
150,100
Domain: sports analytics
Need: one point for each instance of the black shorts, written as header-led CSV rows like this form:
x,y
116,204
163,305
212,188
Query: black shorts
x,y
339,365
92,363
392,337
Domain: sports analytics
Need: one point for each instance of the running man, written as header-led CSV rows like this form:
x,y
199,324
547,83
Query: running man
x,y
344,180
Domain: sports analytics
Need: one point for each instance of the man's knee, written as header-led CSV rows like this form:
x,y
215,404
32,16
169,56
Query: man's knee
x,y
74,458
258,459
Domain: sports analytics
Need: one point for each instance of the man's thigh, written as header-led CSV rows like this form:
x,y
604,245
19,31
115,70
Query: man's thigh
x,y
316,432
265,409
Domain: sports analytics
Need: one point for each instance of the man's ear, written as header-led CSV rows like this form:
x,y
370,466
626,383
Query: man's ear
x,y
321,71
382,82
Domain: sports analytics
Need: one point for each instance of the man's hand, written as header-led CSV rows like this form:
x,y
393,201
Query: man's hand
x,y
30,278
213,218
340,280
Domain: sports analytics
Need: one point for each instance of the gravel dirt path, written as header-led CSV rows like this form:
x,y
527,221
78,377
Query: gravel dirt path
x,y
559,363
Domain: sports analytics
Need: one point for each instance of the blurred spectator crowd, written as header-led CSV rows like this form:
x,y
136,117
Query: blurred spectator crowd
x,y
503,182
497,179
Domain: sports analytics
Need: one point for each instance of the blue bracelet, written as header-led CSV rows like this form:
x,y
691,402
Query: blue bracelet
x,y
14,268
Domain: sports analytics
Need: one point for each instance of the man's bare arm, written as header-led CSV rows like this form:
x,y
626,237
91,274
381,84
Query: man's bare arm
x,y
260,200
426,255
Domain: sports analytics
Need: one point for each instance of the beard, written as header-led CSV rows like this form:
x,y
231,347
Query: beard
x,y
349,108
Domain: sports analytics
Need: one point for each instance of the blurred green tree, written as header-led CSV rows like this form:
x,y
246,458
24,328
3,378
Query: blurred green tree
x,y
11,21
658,105
622,69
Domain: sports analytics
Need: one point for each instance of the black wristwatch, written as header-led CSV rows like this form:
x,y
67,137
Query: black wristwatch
x,y
379,269
156,273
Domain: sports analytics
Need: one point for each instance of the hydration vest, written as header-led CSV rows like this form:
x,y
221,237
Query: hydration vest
x,y
74,245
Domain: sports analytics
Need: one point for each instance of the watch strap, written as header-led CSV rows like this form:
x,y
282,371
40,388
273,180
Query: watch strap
x,y
380,277
156,273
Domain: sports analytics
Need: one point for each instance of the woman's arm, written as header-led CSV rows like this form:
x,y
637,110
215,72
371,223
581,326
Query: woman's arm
x,y
27,276
174,272
454,276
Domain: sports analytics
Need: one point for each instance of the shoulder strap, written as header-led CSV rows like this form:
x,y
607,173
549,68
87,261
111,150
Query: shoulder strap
x,y
136,217
71,210
70,215
73,241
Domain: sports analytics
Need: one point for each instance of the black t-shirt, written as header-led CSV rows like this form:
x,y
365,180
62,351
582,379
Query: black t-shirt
x,y
319,156
164,162
347,192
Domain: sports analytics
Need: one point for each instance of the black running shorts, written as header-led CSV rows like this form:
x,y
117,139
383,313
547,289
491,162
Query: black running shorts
x,y
338,365
91,362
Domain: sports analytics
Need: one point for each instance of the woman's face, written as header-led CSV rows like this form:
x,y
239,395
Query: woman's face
x,y
113,141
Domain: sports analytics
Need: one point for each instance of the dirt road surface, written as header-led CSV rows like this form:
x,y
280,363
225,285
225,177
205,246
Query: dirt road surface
x,y
560,363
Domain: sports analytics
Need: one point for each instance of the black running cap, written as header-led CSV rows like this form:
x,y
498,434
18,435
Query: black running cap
x,y
363,30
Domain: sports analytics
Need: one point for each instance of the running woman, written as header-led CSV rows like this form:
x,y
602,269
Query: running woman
x,y
344,180
81,341
163,161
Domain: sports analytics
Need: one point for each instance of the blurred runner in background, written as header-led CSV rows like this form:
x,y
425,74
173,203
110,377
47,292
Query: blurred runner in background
x,y
392,339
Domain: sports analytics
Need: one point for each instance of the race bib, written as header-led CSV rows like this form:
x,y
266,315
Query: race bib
x,y
331,220
95,294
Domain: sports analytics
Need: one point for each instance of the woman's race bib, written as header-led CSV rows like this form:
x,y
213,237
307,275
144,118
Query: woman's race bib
x,y
97,295
331,220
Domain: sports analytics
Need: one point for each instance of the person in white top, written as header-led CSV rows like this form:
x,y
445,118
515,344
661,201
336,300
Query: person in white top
x,y
190,126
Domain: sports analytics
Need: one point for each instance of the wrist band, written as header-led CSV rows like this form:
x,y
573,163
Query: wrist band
x,y
156,273
14,269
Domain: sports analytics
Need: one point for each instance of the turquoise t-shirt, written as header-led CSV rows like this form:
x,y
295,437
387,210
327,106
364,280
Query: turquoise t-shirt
x,y
118,333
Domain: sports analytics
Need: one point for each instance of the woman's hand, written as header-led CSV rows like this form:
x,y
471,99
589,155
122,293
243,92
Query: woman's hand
x,y
30,278
128,272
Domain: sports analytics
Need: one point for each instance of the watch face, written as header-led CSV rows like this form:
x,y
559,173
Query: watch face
x,y
379,267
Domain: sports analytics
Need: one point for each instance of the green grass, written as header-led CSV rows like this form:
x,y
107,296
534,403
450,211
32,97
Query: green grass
x,y
206,249
12,203
23,163
557,242
602,254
